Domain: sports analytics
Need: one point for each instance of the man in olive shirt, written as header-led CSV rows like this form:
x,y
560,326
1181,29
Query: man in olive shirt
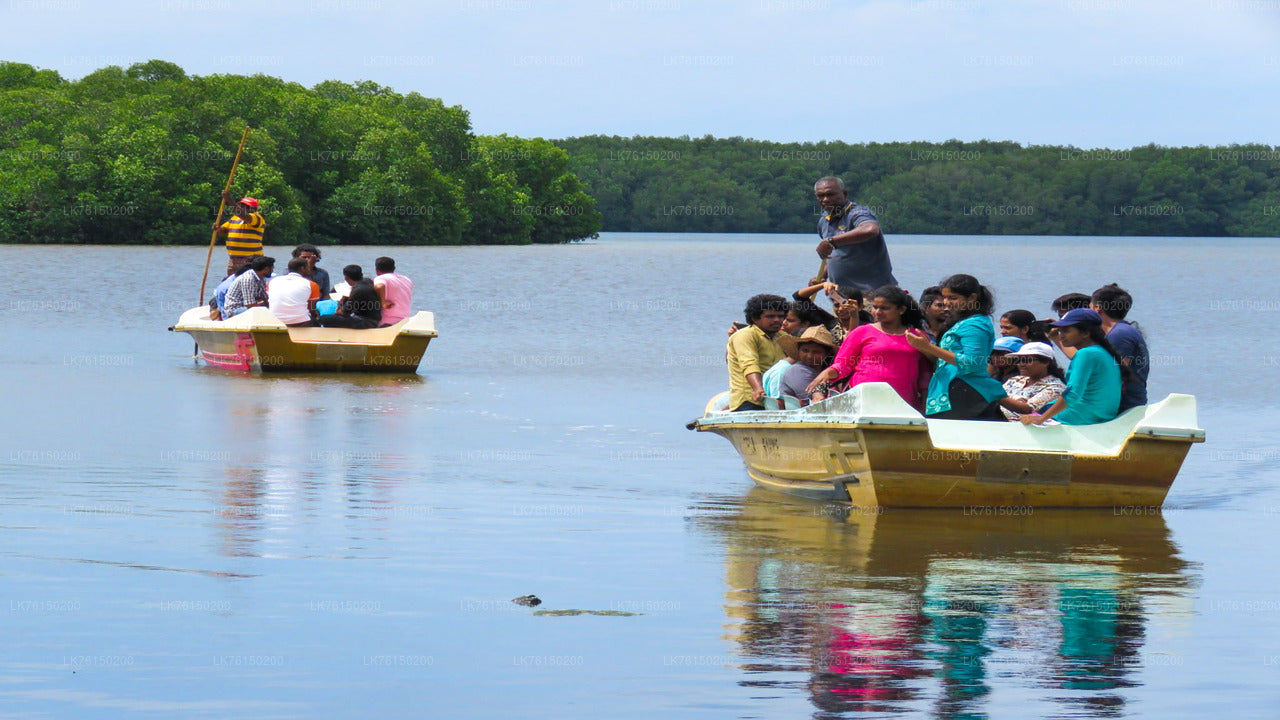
x,y
755,349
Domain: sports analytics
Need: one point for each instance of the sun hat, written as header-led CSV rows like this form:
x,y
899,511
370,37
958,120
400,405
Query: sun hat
x,y
1079,316
815,333
1007,344
1034,349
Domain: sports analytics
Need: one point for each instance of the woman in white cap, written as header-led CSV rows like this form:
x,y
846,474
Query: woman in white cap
x,y
1038,382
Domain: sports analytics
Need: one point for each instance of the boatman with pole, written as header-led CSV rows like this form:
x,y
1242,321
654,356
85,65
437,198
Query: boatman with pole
x,y
852,249
243,232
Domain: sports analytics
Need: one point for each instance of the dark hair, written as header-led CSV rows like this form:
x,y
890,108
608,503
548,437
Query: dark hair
x,y
850,292
306,247
260,262
809,312
354,273
962,284
298,265
384,265
1071,301
1112,301
759,303
1099,337
1026,319
911,315
930,294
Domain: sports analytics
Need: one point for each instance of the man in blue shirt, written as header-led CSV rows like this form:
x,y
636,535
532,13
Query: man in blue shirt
x,y
1113,304
852,243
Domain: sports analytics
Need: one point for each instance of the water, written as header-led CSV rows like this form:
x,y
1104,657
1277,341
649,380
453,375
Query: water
x,y
183,542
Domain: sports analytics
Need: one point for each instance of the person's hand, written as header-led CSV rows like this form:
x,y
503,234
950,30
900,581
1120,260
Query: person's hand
x,y
757,395
816,281
733,329
1031,419
830,288
226,196
824,376
917,340
824,249
217,227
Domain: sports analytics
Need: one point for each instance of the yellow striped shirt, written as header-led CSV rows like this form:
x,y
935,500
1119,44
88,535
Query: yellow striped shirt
x,y
244,237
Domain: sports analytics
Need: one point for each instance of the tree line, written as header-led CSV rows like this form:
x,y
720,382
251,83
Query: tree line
x,y
742,185
139,155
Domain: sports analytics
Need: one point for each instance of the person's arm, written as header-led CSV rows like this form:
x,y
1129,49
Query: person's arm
x,y
382,295
757,387
917,340
864,231
1034,419
1017,405
807,293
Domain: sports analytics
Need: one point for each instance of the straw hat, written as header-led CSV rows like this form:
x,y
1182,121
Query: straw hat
x,y
815,333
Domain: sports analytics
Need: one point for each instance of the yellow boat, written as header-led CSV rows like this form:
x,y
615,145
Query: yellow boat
x,y
256,341
869,448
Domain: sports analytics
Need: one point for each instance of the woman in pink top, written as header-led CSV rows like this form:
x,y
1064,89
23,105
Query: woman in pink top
x,y
879,352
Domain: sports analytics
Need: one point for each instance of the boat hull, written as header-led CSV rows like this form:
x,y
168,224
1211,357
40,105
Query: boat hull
x,y
895,460
261,344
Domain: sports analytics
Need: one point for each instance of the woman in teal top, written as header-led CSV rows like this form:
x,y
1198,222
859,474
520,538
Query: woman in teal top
x,y
960,388
1094,378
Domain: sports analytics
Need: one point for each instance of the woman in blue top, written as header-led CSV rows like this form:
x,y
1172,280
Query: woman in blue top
x,y
1094,378
960,388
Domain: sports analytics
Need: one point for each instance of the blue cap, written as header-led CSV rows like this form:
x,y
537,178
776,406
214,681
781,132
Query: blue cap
x,y
1079,316
1007,344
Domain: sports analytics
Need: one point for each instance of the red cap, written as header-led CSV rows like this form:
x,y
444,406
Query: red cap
x,y
249,203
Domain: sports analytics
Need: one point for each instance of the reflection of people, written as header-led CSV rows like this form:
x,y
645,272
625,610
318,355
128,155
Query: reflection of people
x,y
852,243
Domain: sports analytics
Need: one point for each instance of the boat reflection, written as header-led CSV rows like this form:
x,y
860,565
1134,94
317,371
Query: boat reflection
x,y
894,610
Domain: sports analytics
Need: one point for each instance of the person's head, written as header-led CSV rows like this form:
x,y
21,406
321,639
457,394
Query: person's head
x,y
813,348
1071,301
353,274
1077,328
765,311
846,303
1017,323
963,296
998,364
308,252
1111,301
892,306
935,313
1035,360
300,266
830,193
795,323
262,265
245,207
384,265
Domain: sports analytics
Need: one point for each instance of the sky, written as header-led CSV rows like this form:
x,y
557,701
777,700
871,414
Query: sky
x,y
1088,73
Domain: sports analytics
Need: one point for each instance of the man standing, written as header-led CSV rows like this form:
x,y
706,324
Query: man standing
x,y
852,243
1113,304
292,298
243,232
319,275
394,289
249,288
755,349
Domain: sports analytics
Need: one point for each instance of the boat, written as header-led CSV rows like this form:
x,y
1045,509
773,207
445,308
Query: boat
x,y
869,448
256,341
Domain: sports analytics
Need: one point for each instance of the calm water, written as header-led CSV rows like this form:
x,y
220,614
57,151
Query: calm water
x,y
182,542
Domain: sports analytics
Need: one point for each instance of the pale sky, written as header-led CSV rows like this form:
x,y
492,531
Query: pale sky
x,y
1090,73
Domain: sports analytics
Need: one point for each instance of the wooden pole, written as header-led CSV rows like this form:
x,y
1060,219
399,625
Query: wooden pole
x,y
222,203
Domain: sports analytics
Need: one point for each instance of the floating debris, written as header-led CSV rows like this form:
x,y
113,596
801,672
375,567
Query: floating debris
x,y
527,600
